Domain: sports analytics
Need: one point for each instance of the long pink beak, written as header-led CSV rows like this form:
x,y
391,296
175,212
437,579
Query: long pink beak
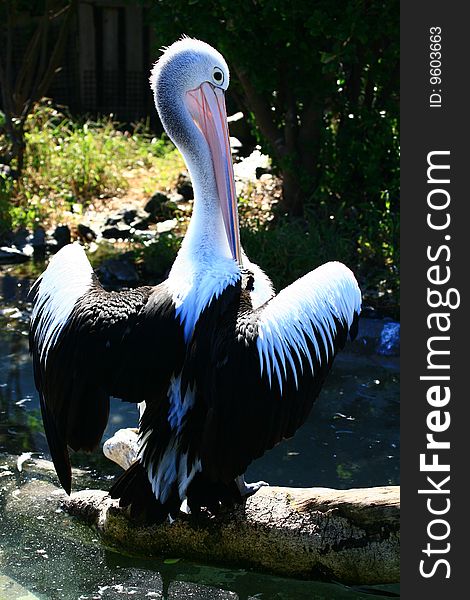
x,y
207,107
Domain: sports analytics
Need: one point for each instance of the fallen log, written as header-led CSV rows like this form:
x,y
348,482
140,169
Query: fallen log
x,y
350,536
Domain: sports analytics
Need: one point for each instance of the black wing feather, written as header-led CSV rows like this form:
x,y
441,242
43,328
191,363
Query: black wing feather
x,y
122,344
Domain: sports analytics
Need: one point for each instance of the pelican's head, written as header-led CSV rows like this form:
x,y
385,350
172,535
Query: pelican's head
x,y
187,64
189,83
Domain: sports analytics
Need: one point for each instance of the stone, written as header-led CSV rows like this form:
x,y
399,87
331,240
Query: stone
x,y
140,223
20,238
118,270
235,145
62,236
166,226
128,215
136,218
260,171
389,342
153,204
176,199
245,170
12,256
184,186
122,232
39,237
123,447
159,207
377,336
145,235
113,220
242,131
9,588
5,171
86,233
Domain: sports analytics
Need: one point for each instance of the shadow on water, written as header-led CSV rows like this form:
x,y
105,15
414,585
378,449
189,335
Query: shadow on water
x,y
350,440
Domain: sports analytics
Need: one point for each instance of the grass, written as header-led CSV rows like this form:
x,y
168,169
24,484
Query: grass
x,y
290,249
69,163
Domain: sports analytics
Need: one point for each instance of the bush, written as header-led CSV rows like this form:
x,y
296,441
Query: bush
x,y
6,186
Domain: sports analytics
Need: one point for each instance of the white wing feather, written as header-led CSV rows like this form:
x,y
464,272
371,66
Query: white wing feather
x,y
67,278
306,311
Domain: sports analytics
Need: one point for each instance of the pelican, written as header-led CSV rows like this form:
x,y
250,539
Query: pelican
x,y
221,367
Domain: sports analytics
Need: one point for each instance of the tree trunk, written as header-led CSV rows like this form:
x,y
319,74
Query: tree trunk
x,y
350,536
293,195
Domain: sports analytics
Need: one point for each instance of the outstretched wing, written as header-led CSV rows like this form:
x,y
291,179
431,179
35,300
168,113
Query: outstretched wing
x,y
259,371
89,344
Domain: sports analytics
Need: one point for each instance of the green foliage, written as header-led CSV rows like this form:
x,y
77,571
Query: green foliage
x,y
290,249
156,258
78,161
6,186
69,161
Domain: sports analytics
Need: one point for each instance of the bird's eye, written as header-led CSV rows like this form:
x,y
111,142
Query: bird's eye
x,y
217,76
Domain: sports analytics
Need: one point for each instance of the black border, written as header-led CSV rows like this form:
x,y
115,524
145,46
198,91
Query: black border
x,y
424,129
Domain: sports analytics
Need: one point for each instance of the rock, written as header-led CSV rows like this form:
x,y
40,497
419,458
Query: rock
x,y
6,172
39,243
177,199
389,343
240,129
86,233
145,235
128,215
123,447
260,171
9,588
118,270
136,218
122,232
113,220
166,226
235,145
245,170
140,223
377,336
159,207
12,256
153,205
20,238
184,186
62,236
131,215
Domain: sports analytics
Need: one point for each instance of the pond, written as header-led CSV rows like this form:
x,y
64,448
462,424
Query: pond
x,y
351,439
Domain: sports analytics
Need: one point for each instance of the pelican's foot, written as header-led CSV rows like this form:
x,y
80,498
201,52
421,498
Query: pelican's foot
x,y
248,489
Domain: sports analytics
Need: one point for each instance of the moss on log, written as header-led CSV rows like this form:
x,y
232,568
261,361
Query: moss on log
x,y
351,536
